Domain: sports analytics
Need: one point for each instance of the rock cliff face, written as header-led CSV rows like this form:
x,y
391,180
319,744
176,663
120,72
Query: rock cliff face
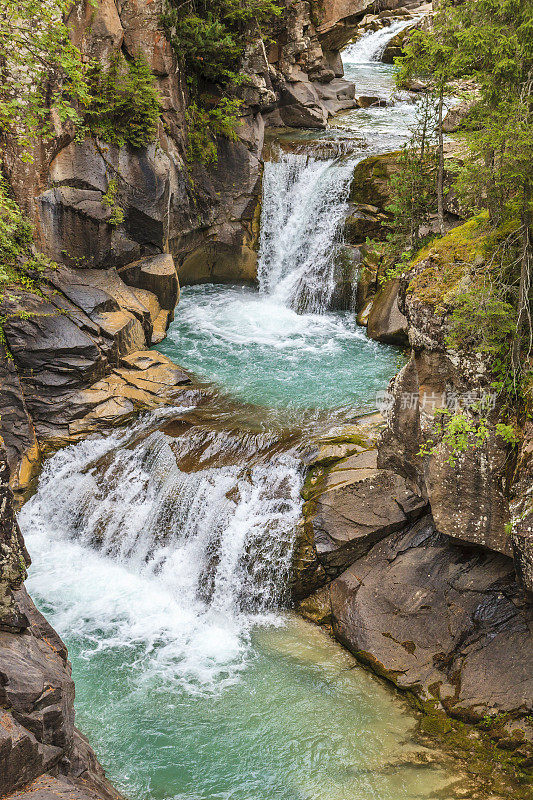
x,y
74,354
420,558
62,365
204,216
41,752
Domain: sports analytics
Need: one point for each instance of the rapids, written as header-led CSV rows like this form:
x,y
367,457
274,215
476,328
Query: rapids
x,y
162,553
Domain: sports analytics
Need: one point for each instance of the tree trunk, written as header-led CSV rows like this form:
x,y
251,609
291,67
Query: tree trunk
x,y
440,175
526,265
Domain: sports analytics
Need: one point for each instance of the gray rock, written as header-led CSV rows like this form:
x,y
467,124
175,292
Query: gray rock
x,y
456,116
354,506
301,106
156,274
441,620
386,323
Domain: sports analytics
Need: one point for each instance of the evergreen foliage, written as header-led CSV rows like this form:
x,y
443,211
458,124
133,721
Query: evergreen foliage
x,y
41,69
209,39
490,44
123,106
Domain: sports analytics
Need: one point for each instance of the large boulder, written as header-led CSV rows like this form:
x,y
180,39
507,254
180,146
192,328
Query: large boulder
x,y
441,620
371,182
386,323
350,504
301,106
156,274
359,506
337,95
457,116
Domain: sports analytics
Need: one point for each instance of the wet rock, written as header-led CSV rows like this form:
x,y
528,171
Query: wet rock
x,y
51,787
156,274
359,226
161,324
521,507
301,106
317,607
213,262
441,620
394,47
145,379
37,731
369,101
367,284
386,323
337,95
364,313
359,506
351,504
371,181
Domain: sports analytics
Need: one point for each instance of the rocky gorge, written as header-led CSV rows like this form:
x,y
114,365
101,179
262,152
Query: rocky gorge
x,y
408,558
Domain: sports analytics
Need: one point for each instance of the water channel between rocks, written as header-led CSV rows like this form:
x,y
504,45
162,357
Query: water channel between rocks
x,y
162,553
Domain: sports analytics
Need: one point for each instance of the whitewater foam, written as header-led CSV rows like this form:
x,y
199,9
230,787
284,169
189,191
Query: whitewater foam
x,y
130,553
370,46
305,202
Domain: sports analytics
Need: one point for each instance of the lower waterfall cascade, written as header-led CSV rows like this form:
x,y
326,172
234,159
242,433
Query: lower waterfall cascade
x,y
191,681
162,556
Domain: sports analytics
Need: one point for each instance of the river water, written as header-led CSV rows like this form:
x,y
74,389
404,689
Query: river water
x,y
161,553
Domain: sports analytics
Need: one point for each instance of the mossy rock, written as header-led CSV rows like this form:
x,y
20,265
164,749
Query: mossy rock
x,y
371,181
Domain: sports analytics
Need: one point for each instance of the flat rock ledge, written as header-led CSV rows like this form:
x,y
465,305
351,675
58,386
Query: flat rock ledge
x,y
443,620
75,359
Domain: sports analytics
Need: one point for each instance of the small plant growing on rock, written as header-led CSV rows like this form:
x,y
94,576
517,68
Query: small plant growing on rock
x,y
209,39
109,199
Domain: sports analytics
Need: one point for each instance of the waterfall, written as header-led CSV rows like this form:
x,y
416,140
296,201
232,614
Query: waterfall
x,y
370,46
304,207
178,565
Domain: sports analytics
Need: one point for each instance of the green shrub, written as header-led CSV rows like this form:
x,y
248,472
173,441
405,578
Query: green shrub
x,y
109,199
124,107
204,125
209,39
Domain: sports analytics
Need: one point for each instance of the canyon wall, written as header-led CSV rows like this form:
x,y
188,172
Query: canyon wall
x,y
416,552
70,355
74,353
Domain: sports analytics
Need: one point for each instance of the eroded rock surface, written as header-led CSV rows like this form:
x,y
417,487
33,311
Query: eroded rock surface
x,y
74,357
447,622
40,750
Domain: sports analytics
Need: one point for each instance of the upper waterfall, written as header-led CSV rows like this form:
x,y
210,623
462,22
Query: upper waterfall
x,y
370,46
304,207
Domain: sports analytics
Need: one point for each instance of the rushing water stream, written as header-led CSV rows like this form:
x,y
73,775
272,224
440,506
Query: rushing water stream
x,y
162,553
